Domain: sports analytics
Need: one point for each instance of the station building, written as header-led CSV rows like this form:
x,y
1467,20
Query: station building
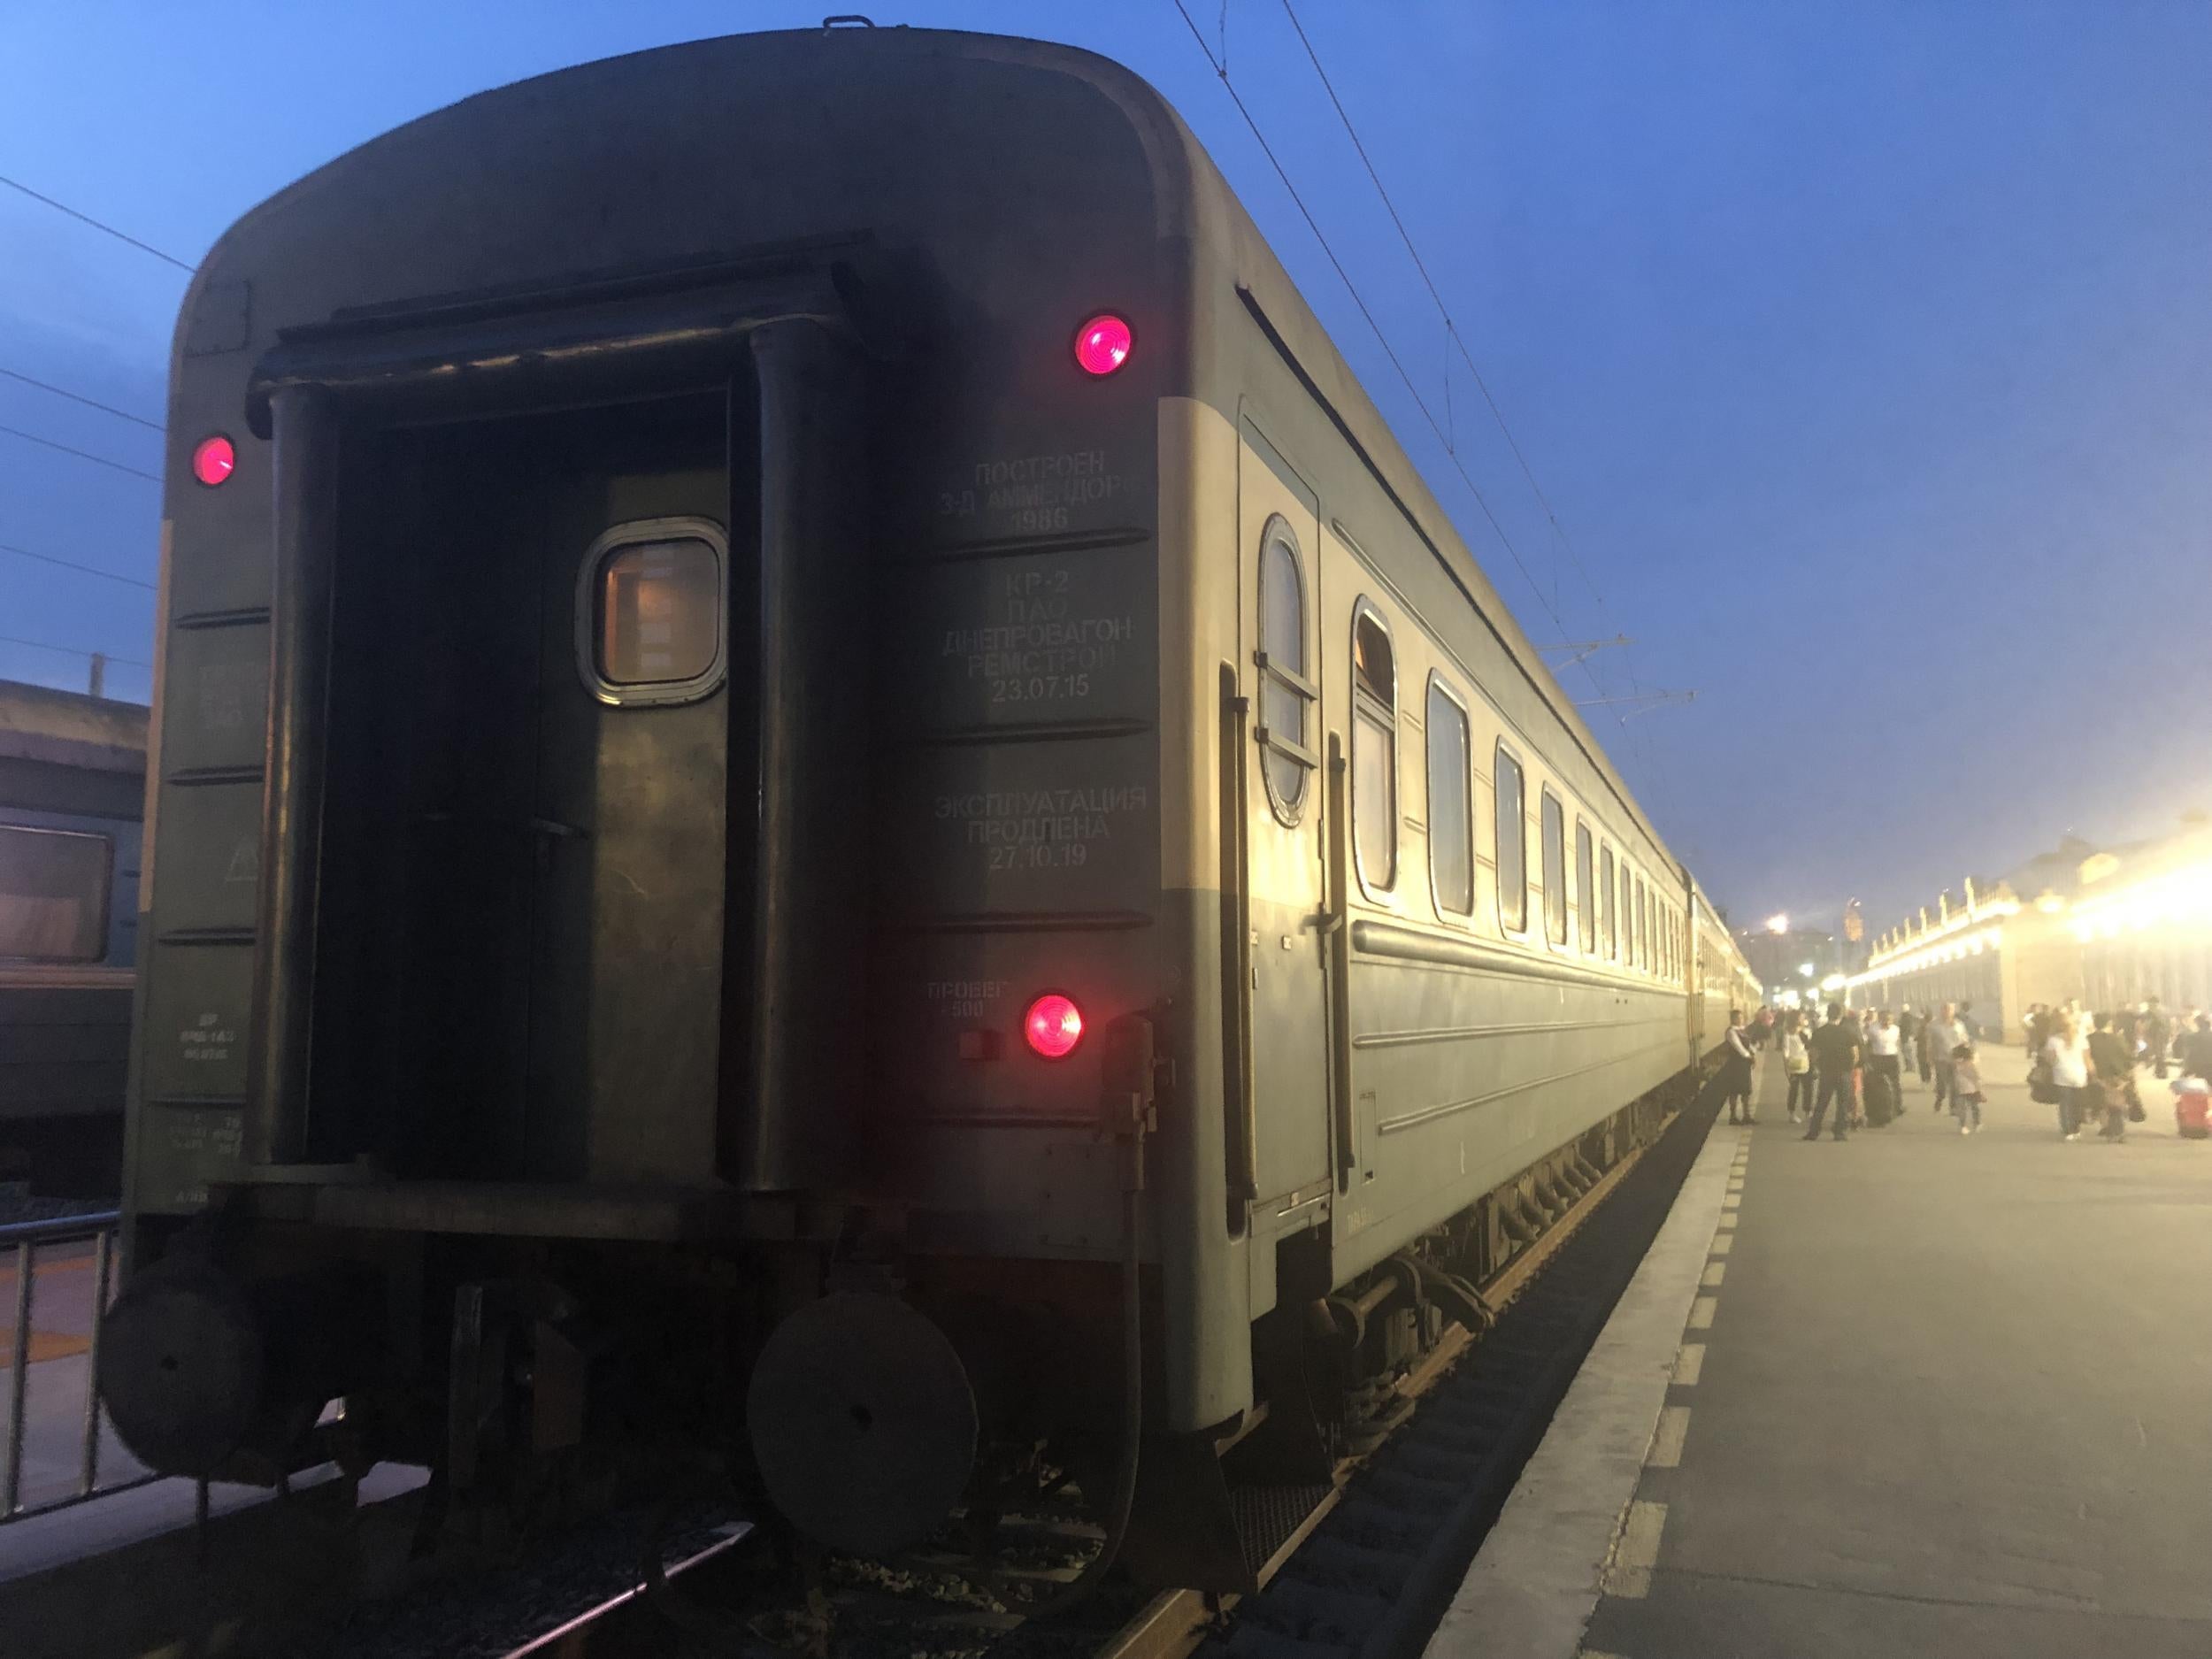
x,y
2108,928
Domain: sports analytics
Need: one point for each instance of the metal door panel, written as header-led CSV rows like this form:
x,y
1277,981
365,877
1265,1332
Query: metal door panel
x,y
1285,943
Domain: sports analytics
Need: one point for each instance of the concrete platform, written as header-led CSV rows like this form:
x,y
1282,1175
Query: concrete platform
x,y
1933,1394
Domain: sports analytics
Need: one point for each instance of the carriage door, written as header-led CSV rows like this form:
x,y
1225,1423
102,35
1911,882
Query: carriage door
x,y
1279,534
633,737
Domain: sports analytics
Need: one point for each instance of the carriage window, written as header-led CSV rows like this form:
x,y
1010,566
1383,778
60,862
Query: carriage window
x,y
1586,899
1374,753
1451,840
1287,756
1555,869
1605,897
1627,951
1643,929
650,615
53,894
1512,845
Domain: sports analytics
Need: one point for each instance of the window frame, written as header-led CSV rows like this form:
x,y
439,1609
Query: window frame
x,y
1585,929
1439,687
1643,932
103,892
1610,938
659,693
1551,828
1276,532
1384,891
1501,757
1626,955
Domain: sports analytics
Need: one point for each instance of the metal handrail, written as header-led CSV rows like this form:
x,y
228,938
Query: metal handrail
x,y
28,1238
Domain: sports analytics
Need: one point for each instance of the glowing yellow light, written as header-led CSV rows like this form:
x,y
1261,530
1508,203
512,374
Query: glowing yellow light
x,y
1778,924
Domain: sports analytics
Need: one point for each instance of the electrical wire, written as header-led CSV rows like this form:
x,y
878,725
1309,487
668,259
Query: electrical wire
x,y
78,397
87,455
1360,301
87,219
72,650
1451,325
1459,343
70,565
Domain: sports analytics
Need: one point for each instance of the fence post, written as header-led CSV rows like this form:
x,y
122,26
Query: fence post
x,y
17,1377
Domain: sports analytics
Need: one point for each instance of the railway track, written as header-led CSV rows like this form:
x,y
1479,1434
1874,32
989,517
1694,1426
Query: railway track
x,y
1363,1573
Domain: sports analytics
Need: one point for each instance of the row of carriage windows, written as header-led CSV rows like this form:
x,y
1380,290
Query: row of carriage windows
x,y
1620,919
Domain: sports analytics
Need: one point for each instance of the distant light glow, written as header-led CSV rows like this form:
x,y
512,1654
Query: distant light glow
x,y
1778,924
1805,967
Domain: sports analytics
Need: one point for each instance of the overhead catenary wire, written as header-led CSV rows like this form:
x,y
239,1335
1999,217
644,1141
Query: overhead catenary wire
x,y
1359,300
87,219
72,650
78,397
1451,325
71,564
1459,342
86,455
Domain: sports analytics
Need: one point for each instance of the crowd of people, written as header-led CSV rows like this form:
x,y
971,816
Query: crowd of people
x,y
1850,1069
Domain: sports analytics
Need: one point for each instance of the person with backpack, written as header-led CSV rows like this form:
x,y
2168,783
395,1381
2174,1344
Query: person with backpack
x,y
1797,1063
2111,1071
1835,1053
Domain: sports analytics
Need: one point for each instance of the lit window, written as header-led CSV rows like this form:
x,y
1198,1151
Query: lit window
x,y
1451,821
1555,828
1286,757
652,612
1374,753
53,894
1585,896
1512,845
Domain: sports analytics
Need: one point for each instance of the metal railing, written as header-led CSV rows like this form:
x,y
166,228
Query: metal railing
x,y
24,1243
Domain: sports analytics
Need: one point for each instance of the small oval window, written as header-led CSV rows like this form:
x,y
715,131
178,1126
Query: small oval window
x,y
650,615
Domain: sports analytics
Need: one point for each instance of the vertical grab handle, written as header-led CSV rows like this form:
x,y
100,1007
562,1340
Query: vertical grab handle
x,y
1240,1112
1340,972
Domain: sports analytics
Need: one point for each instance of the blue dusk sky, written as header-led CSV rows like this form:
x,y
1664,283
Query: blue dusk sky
x,y
1860,351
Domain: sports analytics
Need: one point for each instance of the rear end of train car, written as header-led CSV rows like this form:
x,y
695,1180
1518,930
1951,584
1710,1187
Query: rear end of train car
x,y
659,779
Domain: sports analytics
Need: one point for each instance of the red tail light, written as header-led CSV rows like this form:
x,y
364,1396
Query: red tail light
x,y
1052,1026
212,460
1102,344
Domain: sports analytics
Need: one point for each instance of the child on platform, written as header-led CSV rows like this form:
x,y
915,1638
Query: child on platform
x,y
1966,1092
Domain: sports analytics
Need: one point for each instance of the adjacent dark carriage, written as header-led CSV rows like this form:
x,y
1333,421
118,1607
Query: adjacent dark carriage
x,y
866,761
72,780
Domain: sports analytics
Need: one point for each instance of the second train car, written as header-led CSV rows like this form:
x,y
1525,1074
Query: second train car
x,y
894,839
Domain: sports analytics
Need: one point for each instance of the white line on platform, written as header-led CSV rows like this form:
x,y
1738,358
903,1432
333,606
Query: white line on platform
x,y
1714,1272
1723,1242
1689,1364
1701,1312
1534,1585
1733,1200
1638,1552
1666,1441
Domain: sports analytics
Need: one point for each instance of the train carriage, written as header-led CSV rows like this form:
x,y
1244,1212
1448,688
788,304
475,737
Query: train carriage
x,y
874,783
72,784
